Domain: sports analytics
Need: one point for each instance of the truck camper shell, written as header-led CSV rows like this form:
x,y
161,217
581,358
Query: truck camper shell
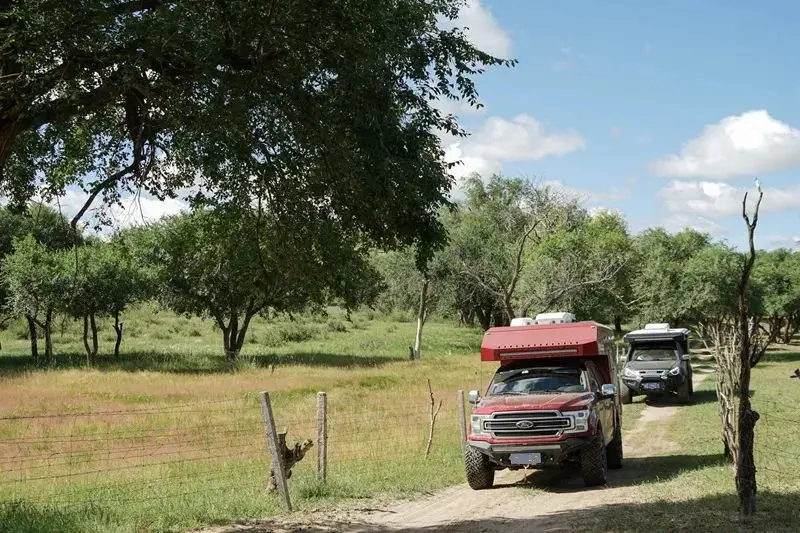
x,y
653,333
587,339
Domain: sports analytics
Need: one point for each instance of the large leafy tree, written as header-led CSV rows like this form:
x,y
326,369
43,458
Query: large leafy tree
x,y
323,104
500,227
232,265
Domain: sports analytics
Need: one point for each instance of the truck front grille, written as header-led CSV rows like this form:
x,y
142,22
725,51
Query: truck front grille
x,y
526,424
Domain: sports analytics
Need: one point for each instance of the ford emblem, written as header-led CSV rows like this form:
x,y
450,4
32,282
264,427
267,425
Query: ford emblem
x,y
524,424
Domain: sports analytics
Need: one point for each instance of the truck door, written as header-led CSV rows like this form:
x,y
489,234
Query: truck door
x,y
604,406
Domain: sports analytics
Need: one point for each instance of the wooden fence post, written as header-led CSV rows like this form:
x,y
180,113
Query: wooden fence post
x,y
322,436
272,445
462,415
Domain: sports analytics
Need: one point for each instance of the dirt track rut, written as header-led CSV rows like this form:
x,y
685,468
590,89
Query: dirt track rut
x,y
538,504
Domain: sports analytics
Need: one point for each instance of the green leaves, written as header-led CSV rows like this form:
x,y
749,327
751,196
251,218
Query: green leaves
x,y
316,107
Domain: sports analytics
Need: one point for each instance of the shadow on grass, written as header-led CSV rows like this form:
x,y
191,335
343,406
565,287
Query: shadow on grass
x,y
190,364
24,518
699,397
777,513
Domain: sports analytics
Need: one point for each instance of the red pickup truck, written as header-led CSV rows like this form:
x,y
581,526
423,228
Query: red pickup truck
x,y
553,400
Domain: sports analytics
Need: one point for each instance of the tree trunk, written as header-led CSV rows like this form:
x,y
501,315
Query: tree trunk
x,y
484,317
118,329
618,324
93,324
48,335
788,333
86,340
421,316
32,334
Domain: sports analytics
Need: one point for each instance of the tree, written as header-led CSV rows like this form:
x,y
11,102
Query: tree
x,y
410,288
233,265
105,284
775,278
660,259
36,281
48,227
736,344
499,227
326,105
587,270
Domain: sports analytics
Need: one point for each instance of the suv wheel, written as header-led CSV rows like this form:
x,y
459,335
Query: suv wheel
x,y
594,467
684,391
614,450
480,471
625,394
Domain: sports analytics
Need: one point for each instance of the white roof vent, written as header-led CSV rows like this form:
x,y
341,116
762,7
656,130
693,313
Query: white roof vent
x,y
523,321
554,318
663,325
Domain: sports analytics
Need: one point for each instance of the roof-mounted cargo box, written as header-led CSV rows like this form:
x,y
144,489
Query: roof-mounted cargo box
x,y
568,339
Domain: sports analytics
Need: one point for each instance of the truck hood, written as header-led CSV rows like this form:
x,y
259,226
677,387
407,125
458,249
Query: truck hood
x,y
650,365
535,402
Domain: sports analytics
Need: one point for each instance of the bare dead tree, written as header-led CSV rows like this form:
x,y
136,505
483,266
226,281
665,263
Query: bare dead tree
x,y
739,344
433,413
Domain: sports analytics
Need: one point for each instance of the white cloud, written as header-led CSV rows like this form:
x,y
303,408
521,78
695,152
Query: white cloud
x,y
717,200
782,242
522,138
611,194
482,29
680,221
740,145
135,210
498,140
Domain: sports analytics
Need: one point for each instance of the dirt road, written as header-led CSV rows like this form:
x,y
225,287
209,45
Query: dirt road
x,y
542,503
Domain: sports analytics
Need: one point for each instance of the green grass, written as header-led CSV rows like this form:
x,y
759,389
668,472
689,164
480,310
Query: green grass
x,y
178,442
693,488
199,419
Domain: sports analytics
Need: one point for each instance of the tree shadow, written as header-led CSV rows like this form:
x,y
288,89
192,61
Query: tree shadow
x,y
176,363
635,471
24,518
777,513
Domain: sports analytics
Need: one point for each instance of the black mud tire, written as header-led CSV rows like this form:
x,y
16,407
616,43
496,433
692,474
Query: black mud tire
x,y
479,468
614,450
594,466
684,391
625,394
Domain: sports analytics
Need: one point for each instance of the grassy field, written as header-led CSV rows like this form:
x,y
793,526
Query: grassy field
x,y
167,436
693,489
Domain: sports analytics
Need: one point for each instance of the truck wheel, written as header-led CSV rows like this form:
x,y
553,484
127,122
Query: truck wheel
x,y
593,462
480,471
683,391
614,450
625,394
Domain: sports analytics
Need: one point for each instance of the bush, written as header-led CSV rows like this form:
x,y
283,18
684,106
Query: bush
x,y
337,326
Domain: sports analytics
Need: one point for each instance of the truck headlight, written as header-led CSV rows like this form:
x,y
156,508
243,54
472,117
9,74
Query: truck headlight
x,y
674,371
477,424
580,421
628,373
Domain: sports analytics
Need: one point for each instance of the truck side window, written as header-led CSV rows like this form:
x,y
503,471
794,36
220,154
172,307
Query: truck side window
x,y
594,383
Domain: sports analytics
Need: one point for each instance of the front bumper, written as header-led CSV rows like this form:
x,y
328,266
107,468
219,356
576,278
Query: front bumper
x,y
654,385
551,453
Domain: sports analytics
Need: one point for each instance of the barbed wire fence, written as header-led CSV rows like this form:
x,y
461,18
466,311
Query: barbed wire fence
x,y
184,452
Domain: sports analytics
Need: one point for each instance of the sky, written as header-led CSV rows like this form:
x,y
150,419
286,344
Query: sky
x,y
664,111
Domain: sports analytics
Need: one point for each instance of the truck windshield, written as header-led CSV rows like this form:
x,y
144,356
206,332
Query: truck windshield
x,y
653,353
537,381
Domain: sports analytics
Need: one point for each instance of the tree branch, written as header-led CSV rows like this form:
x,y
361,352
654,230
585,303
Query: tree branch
x,y
97,189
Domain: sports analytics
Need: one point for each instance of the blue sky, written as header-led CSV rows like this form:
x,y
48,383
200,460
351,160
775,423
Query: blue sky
x,y
665,111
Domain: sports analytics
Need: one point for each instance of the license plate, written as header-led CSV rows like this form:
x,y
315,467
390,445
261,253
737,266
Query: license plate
x,y
652,386
525,458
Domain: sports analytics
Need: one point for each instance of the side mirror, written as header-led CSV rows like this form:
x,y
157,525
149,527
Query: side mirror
x,y
686,357
473,397
608,390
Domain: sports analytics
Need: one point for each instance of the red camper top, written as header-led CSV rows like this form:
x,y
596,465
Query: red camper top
x,y
571,339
